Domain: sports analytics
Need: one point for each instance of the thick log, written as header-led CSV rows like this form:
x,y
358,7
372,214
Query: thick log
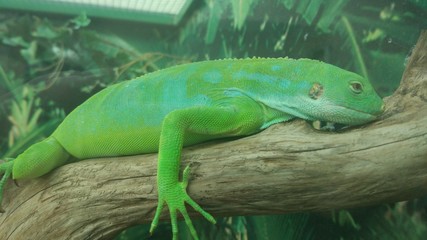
x,y
290,167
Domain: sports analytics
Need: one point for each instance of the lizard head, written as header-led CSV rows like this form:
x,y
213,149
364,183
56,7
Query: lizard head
x,y
317,91
336,95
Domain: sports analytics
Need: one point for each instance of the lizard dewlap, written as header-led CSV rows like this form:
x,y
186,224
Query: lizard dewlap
x,y
187,104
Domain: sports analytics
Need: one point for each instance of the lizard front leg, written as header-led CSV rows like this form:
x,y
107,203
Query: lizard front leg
x,y
241,117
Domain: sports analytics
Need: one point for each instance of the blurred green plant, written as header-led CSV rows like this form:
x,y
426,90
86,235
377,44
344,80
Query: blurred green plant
x,y
22,121
344,218
396,223
24,116
44,55
278,227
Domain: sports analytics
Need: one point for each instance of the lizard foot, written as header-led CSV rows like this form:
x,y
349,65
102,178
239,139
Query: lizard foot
x,y
175,196
6,170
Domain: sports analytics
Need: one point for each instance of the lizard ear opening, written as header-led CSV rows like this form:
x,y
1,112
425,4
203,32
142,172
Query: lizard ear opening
x,y
315,91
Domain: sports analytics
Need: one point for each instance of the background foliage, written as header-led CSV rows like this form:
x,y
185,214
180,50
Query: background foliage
x,y
49,64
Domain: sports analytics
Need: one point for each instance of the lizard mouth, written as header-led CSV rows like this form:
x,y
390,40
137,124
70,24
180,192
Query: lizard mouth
x,y
350,116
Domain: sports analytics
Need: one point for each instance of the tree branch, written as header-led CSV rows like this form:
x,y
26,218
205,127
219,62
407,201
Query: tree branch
x,y
288,168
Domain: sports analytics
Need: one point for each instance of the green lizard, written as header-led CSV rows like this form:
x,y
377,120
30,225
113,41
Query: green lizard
x,y
188,104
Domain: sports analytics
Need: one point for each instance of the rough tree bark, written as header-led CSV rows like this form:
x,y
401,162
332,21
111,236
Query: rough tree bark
x,y
288,168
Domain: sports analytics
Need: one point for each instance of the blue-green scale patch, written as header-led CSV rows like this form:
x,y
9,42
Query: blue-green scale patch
x,y
304,85
262,78
284,83
212,77
255,76
276,68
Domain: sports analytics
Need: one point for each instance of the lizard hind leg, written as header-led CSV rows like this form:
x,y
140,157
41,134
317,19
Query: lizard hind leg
x,y
39,159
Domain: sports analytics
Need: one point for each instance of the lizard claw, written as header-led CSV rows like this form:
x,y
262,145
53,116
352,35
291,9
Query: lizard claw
x,y
16,182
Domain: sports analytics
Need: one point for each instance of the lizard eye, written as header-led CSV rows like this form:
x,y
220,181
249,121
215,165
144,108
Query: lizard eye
x,y
356,87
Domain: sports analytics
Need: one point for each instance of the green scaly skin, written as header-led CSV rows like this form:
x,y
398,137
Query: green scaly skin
x,y
188,104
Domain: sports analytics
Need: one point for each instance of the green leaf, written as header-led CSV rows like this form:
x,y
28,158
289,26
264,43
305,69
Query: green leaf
x,y
216,9
241,10
16,42
332,10
311,11
345,219
289,4
374,35
29,54
46,30
345,27
81,21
